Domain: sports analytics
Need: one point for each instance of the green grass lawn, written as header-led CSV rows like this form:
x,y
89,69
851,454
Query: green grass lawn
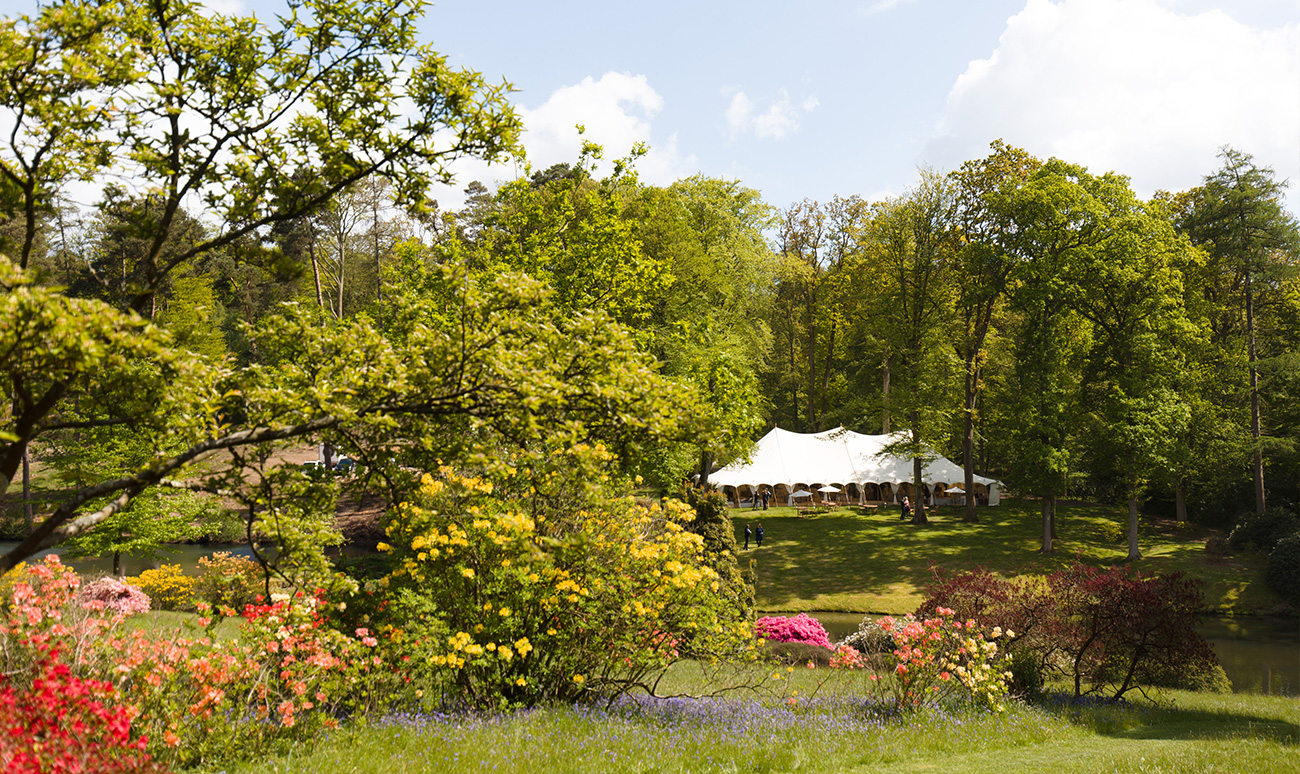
x,y
846,561
182,625
834,731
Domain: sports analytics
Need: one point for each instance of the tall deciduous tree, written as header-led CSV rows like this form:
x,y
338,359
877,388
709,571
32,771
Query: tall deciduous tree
x,y
981,274
817,245
579,235
1055,217
337,224
711,325
915,240
1129,290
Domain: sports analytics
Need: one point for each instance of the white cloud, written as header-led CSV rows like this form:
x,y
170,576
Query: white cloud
x,y
616,112
1133,86
225,7
881,6
779,120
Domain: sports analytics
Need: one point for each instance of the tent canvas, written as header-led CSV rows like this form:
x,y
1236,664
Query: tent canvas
x,y
837,457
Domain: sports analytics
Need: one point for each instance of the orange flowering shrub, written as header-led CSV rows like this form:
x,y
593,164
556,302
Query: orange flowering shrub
x,y
285,678
105,697
942,658
53,719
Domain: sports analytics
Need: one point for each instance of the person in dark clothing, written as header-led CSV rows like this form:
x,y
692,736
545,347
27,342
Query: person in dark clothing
x,y
907,510
767,495
748,532
759,535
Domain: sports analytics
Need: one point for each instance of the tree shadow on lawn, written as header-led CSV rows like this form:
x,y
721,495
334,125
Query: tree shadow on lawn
x,y
1170,723
851,554
847,553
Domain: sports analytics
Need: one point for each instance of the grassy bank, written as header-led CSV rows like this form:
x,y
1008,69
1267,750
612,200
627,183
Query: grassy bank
x,y
833,731
846,561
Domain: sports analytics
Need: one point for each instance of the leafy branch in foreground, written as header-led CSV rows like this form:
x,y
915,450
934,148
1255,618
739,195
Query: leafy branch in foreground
x,y
261,123
453,388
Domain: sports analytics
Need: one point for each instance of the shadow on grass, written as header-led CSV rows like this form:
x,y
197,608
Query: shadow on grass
x,y
1125,720
851,554
835,560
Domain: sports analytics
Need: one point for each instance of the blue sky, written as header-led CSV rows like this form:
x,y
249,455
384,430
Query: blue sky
x,y
815,99
819,98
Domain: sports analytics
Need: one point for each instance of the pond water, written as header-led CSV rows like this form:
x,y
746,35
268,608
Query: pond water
x,y
1259,654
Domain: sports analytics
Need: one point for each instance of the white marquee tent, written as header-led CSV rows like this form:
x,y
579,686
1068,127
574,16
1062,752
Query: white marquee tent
x,y
782,461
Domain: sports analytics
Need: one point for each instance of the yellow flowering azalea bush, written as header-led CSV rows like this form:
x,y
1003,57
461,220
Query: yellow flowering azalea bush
x,y
501,604
168,587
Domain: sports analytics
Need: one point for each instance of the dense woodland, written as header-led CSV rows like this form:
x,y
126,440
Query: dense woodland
x,y
286,275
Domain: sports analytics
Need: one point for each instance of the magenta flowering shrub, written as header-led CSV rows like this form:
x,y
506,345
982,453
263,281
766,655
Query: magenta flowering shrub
x,y
799,628
114,596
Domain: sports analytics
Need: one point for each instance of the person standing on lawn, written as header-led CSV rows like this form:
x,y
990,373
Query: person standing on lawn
x,y
748,532
907,509
759,535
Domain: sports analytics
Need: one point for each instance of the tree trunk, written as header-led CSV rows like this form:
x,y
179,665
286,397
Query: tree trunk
x,y
117,564
793,359
315,271
968,461
1133,553
1255,429
706,465
884,393
63,242
1180,499
918,507
1047,525
812,375
379,274
826,369
28,519
342,258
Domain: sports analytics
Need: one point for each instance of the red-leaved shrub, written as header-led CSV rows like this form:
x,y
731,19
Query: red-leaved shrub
x,y
1106,630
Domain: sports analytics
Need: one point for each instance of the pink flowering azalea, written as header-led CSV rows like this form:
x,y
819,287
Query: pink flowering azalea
x,y
799,628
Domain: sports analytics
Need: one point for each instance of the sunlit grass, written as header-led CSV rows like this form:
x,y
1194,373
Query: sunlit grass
x,y
847,561
837,730
171,623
